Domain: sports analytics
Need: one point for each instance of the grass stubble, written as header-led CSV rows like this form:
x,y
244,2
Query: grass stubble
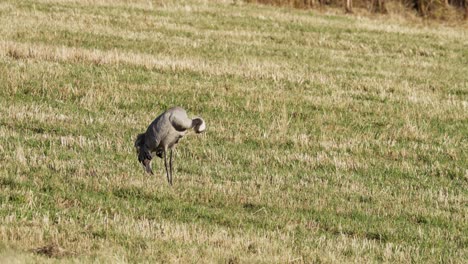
x,y
331,138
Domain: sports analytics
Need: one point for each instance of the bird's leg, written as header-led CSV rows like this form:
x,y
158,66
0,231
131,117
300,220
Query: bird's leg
x,y
170,165
165,165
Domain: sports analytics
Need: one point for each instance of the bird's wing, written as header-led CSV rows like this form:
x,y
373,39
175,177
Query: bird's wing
x,y
180,122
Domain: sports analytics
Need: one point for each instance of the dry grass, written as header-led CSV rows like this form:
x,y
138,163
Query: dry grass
x,y
330,138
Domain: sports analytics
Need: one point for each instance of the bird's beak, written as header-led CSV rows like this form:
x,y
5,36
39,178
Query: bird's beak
x,y
147,164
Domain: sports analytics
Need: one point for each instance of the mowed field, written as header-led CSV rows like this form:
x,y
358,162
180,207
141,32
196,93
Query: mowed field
x,y
329,138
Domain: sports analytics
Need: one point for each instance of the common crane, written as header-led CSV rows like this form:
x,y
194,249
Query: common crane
x,y
163,134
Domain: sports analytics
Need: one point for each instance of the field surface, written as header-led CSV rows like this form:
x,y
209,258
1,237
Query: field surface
x,y
330,138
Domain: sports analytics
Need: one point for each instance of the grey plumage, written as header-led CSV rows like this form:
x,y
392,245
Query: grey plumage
x,y
163,134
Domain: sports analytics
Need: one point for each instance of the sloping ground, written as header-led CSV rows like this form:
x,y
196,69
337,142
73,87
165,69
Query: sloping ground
x,y
330,138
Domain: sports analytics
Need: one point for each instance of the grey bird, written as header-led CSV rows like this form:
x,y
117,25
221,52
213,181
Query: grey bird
x,y
163,134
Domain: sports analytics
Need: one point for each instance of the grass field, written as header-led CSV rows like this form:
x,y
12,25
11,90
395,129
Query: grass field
x,y
330,138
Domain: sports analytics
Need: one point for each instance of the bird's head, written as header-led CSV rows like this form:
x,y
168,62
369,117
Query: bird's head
x,y
144,157
147,165
159,153
199,125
